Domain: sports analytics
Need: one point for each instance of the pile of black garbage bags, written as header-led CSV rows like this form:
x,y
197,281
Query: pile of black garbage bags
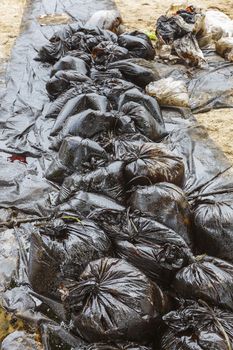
x,y
184,34
125,250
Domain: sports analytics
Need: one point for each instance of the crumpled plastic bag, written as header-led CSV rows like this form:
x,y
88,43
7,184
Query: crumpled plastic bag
x,y
73,37
165,203
70,63
107,180
208,279
171,28
114,300
145,112
169,91
87,124
113,88
107,52
213,219
106,19
196,326
77,104
55,106
224,47
64,80
134,73
138,45
86,203
143,120
149,163
218,23
188,49
75,153
180,31
61,250
152,247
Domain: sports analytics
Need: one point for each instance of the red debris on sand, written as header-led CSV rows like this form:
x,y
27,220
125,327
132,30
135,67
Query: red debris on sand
x,y
18,157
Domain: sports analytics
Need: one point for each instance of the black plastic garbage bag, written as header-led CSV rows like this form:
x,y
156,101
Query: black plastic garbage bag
x,y
150,107
126,131
87,203
152,247
107,52
138,44
213,219
57,46
55,336
107,180
77,104
196,326
100,74
145,113
112,346
113,88
75,153
133,72
207,278
73,37
61,251
114,300
143,120
82,55
54,107
165,203
149,163
64,80
171,28
187,14
87,124
70,63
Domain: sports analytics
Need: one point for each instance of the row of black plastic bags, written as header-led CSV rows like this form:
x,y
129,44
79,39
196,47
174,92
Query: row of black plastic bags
x,y
121,251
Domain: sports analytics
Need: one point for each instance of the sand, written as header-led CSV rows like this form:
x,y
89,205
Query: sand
x,y
10,19
142,14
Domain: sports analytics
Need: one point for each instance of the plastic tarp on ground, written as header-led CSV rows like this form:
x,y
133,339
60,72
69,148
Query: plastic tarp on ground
x,y
25,193
208,88
24,130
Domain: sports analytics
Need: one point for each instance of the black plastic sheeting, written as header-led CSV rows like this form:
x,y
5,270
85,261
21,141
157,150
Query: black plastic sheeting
x,y
208,88
24,102
178,144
